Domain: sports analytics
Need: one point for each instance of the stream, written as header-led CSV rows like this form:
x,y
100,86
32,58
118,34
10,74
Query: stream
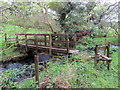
x,y
27,72
27,61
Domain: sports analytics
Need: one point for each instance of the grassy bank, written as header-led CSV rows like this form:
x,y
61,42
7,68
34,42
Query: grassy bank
x,y
75,72
11,30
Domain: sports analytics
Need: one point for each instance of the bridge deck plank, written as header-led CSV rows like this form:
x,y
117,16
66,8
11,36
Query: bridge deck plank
x,y
45,47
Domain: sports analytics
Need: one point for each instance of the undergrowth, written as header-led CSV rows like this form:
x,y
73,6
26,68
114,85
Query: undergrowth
x,y
72,73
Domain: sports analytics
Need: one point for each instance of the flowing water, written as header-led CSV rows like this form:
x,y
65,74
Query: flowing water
x,y
19,64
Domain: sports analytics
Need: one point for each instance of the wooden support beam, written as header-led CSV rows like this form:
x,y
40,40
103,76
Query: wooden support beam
x,y
36,60
36,42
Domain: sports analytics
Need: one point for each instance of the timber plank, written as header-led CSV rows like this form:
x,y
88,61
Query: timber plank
x,y
105,57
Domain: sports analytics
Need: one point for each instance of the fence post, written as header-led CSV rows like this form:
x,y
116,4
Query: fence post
x,y
108,55
50,42
108,49
105,45
36,60
96,52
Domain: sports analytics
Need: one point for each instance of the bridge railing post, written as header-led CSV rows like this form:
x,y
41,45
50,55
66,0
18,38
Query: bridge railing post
x,y
50,42
36,42
26,42
45,39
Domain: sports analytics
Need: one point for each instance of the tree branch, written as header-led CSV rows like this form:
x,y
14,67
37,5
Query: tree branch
x,y
46,14
104,12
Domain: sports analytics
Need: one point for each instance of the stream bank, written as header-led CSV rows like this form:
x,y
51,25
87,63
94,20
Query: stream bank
x,y
24,65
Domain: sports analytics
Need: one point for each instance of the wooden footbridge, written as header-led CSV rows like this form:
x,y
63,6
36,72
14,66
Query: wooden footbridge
x,y
47,43
55,44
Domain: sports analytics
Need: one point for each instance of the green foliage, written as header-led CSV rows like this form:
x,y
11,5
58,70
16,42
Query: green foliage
x,y
80,47
7,78
80,74
12,29
11,22
89,43
27,84
84,75
114,49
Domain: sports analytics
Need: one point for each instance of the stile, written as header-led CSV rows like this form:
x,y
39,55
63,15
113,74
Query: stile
x,y
104,58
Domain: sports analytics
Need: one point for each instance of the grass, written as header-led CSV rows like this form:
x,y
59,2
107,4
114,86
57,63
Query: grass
x,y
11,30
83,74
109,39
80,74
